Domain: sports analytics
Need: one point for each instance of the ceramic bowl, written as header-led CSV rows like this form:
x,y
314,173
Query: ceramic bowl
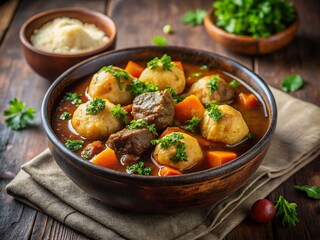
x,y
51,65
249,45
154,194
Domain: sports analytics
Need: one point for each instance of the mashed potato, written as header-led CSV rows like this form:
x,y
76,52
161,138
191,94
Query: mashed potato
x,y
67,36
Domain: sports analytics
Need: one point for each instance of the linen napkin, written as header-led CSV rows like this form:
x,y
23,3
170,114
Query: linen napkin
x,y
42,185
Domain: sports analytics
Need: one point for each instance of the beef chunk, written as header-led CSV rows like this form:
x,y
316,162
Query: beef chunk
x,y
154,107
92,149
130,142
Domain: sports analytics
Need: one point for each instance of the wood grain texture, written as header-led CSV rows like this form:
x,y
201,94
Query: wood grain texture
x,y
138,22
8,8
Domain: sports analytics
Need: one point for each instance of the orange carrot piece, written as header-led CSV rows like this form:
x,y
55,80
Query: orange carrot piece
x,y
217,158
134,69
248,100
169,171
179,64
188,108
128,108
107,158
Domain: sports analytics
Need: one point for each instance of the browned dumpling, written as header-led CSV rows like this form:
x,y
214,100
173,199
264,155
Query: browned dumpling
x,y
230,129
219,91
173,78
98,126
105,85
193,152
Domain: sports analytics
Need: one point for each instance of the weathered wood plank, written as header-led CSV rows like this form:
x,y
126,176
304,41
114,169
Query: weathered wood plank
x,y
7,7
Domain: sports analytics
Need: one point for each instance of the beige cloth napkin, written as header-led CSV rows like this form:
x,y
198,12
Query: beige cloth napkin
x,y
42,185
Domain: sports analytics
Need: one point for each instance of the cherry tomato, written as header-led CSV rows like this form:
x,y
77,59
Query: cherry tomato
x,y
262,211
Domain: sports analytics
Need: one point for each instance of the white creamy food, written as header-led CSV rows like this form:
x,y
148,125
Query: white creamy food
x,y
67,36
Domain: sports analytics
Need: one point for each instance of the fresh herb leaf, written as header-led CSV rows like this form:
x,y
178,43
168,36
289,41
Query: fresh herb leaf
x,y
213,83
140,123
164,61
292,83
137,87
120,74
173,139
65,116
18,115
86,155
73,97
194,17
95,105
119,113
204,67
234,83
250,135
74,145
159,41
254,18
312,191
139,168
176,97
214,112
167,29
192,123
288,210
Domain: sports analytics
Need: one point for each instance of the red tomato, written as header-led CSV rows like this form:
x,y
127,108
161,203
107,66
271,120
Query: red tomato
x,y
262,211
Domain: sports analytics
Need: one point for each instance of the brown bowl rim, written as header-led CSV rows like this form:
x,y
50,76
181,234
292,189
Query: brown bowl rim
x,y
28,44
209,23
188,178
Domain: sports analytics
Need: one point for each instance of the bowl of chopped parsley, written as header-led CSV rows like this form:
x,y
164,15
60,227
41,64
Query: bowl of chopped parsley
x,y
252,27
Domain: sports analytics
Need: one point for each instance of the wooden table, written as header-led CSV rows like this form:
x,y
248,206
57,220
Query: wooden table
x,y
138,22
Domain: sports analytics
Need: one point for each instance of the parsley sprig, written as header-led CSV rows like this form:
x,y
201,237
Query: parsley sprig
x,y
213,111
176,97
194,18
120,74
95,105
213,83
139,168
65,116
312,191
288,210
173,139
18,115
159,41
164,61
140,123
234,83
74,98
192,123
137,87
74,145
120,113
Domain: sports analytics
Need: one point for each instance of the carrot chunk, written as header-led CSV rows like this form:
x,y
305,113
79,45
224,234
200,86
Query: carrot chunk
x,y
188,108
168,171
179,64
134,69
248,100
217,158
107,158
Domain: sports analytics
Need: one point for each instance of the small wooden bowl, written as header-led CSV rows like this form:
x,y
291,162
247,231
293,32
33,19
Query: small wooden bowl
x,y
249,45
51,65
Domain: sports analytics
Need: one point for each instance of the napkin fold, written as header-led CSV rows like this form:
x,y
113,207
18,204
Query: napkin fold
x,y
42,185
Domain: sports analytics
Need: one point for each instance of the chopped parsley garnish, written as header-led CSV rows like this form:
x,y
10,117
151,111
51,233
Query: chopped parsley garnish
x,y
213,83
176,97
74,145
164,61
139,168
213,111
18,115
117,73
119,113
73,97
194,18
140,123
159,41
95,105
192,123
173,139
137,87
288,210
312,191
250,135
204,67
292,83
86,155
65,115
234,83
197,74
